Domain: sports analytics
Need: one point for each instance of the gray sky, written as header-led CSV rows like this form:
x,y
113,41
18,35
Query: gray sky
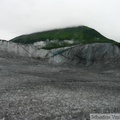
x,y
19,17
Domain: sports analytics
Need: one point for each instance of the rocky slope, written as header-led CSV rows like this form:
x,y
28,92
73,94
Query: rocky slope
x,y
90,54
102,54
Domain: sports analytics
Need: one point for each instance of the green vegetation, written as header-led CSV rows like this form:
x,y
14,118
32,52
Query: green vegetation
x,y
80,35
118,44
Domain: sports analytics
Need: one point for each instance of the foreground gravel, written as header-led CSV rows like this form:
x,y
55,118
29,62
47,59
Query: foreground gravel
x,y
32,89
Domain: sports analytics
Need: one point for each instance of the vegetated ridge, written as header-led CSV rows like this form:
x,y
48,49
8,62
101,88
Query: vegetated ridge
x,y
80,34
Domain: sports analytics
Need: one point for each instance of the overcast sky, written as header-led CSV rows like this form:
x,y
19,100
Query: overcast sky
x,y
19,17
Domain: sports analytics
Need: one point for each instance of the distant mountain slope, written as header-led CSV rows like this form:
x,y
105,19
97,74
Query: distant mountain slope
x,y
81,34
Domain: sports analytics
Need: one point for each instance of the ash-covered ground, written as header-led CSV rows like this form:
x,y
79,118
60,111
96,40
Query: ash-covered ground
x,y
32,89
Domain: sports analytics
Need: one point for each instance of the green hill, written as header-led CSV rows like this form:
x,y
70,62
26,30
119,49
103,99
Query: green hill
x,y
80,34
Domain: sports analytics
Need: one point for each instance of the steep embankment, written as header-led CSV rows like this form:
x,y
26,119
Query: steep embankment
x,y
90,54
81,34
102,54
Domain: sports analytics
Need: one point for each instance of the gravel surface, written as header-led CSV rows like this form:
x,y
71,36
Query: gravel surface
x,y
32,89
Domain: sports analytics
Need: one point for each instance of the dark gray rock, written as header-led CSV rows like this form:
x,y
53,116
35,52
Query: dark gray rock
x,y
91,54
